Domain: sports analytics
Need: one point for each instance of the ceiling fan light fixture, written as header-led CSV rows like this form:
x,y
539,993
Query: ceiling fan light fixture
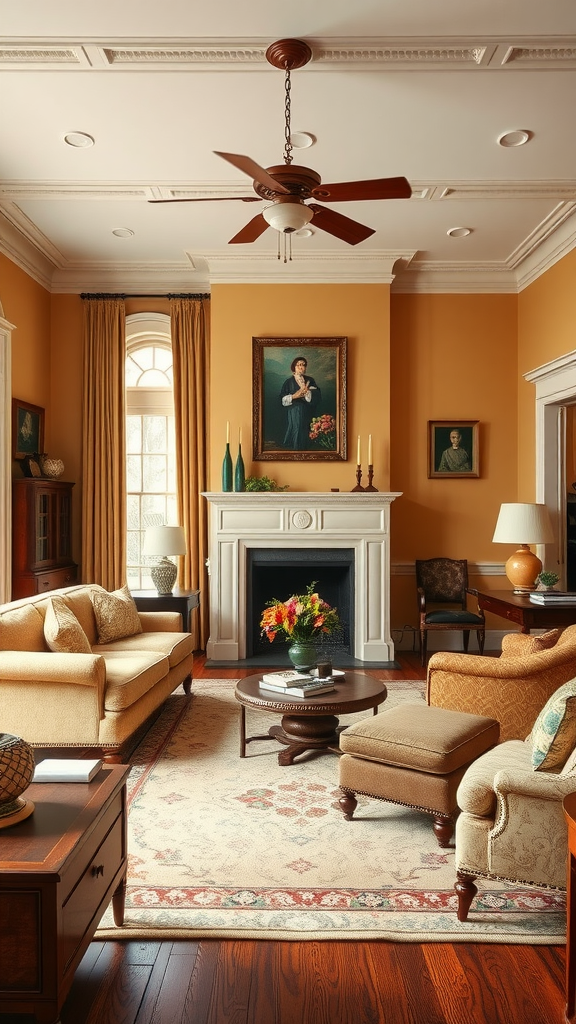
x,y
287,216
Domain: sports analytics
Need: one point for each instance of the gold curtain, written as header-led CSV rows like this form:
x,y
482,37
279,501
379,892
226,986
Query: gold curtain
x,y
103,444
190,327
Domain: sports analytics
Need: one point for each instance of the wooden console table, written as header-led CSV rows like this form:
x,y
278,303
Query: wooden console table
x,y
520,609
183,601
59,870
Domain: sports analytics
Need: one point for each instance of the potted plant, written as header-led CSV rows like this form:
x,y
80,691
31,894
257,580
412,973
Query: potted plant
x,y
547,580
301,620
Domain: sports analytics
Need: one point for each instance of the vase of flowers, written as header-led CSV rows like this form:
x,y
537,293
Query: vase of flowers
x,y
302,620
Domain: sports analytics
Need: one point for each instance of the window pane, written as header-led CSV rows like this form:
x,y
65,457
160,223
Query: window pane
x,y
155,439
133,434
153,379
153,510
133,473
154,476
144,357
133,511
132,372
163,358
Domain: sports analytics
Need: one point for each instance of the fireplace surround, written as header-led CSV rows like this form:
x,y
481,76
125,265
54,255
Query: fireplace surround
x,y
357,523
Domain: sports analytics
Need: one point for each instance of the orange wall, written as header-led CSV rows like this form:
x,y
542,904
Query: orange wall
x,y
360,313
452,357
27,305
546,330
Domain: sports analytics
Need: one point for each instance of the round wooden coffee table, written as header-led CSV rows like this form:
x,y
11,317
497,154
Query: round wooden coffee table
x,y
308,723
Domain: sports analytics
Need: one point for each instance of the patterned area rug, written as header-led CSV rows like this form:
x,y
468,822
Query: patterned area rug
x,y
228,847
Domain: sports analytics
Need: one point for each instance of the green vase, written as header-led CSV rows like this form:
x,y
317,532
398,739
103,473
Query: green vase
x,y
239,474
303,655
227,470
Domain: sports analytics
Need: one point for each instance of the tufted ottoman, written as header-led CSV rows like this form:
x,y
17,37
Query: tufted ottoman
x,y
416,755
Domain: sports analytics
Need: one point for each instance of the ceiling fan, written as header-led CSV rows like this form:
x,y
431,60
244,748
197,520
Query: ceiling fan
x,y
287,186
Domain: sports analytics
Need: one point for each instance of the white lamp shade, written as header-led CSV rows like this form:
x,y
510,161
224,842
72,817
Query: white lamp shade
x,y
164,540
287,216
523,523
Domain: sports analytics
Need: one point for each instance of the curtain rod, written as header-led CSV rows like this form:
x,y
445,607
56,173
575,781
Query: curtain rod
x,y
121,295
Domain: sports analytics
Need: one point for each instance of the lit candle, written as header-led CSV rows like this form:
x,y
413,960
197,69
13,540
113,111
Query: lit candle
x,y
239,435
369,449
358,456
227,432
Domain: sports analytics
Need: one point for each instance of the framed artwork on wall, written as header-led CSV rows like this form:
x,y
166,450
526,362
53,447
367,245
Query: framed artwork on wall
x,y
453,448
299,399
27,429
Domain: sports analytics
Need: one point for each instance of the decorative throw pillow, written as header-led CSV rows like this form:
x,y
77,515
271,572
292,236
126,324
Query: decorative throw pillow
x,y
62,631
554,731
116,615
520,645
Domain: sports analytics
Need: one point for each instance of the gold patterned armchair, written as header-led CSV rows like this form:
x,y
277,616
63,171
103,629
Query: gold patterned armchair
x,y
442,583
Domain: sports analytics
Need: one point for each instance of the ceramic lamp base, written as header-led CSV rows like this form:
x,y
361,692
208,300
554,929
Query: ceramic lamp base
x,y
17,810
522,568
164,576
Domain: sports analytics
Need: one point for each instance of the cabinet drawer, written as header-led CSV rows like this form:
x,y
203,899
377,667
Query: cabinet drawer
x,y
84,904
56,578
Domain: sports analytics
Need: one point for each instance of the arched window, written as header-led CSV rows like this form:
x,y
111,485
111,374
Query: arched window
x,y
150,437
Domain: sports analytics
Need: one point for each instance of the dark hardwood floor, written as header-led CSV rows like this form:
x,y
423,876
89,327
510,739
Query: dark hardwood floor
x,y
260,982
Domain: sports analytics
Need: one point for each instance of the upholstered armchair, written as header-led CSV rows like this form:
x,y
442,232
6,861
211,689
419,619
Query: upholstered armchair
x,y
442,585
511,824
512,688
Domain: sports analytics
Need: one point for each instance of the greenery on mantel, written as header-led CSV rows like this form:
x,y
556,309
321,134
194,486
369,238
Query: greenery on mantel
x,y
263,483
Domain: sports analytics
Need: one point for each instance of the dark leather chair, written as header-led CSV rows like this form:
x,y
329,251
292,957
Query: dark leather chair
x,y
444,581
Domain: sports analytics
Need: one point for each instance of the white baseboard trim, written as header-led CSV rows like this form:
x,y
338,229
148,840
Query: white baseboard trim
x,y
408,640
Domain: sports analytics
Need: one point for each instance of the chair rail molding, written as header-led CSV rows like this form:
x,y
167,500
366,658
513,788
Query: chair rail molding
x,y
6,329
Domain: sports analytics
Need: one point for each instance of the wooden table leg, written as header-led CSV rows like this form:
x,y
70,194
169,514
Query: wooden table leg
x,y
242,731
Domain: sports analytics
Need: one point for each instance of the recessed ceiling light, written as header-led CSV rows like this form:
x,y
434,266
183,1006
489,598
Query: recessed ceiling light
x,y
304,232
80,140
123,232
459,232
519,137
302,140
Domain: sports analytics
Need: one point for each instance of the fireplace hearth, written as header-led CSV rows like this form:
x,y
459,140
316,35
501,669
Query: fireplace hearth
x,y
336,532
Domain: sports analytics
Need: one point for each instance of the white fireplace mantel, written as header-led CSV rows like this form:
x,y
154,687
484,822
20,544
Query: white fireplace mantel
x,y
240,521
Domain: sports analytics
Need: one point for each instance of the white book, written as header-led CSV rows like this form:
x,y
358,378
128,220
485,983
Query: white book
x,y
62,769
287,677
311,689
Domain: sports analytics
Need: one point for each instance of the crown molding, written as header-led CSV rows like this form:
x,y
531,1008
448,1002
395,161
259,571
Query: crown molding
x,y
467,53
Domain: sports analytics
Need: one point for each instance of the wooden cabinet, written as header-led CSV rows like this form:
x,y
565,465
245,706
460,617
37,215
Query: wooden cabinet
x,y
59,870
42,536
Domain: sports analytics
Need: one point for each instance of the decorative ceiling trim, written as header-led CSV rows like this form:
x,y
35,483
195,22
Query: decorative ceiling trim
x,y
467,53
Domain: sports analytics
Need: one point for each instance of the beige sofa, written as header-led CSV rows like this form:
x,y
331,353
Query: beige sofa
x,y
98,699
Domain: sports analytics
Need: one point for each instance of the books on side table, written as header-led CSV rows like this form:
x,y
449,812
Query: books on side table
x,y
295,684
551,597
59,769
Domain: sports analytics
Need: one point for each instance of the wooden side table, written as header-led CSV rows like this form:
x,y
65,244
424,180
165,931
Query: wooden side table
x,y
59,870
569,805
183,601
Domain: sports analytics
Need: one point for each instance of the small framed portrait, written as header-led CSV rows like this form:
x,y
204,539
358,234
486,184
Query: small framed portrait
x,y
453,448
27,429
299,399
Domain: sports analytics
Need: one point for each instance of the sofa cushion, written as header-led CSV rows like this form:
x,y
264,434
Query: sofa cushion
x,y
62,631
129,675
554,732
21,629
116,614
79,600
521,645
174,646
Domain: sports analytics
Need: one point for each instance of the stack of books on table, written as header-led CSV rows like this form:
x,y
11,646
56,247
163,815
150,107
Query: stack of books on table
x,y
553,597
295,684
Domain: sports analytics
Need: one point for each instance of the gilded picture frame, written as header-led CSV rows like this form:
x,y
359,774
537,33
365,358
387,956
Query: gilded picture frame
x,y
299,399
27,429
453,449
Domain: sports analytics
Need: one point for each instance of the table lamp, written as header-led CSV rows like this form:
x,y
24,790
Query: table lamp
x,y
161,541
523,523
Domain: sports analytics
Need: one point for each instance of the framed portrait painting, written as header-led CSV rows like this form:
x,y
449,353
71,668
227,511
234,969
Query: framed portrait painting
x,y
27,429
453,448
299,399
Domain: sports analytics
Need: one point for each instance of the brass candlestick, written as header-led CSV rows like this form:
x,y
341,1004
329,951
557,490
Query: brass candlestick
x,y
370,478
358,479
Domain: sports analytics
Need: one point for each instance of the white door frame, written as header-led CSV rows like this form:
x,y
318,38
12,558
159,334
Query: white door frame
x,y
555,389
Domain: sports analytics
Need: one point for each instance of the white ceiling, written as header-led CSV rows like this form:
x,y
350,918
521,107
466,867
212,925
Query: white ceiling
x,y
395,87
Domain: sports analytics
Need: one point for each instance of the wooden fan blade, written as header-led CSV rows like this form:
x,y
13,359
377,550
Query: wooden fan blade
x,y
251,231
254,171
337,224
374,188
210,199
